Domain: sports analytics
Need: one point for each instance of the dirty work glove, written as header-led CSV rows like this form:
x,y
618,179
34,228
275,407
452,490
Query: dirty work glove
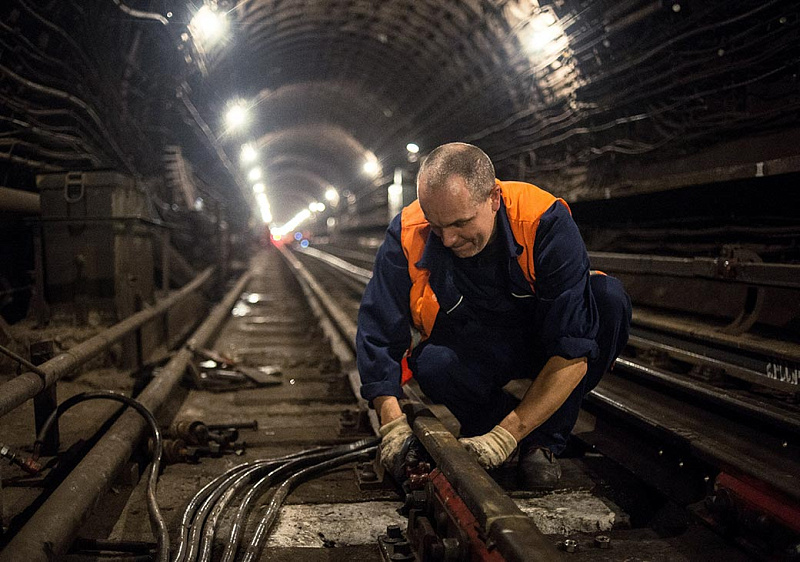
x,y
396,437
490,449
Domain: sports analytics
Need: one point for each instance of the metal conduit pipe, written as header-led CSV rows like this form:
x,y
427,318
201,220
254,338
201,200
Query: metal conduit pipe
x,y
52,528
18,201
24,387
513,533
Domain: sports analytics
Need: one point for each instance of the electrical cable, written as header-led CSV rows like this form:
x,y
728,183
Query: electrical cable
x,y
237,527
156,519
140,14
78,102
88,64
253,551
190,513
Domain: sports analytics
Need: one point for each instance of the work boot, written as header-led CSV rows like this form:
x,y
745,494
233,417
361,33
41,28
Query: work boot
x,y
538,469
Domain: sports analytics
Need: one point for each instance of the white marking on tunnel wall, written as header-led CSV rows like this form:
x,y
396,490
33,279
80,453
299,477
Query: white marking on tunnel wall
x,y
783,373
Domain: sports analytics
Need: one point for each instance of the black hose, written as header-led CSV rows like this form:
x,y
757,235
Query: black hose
x,y
156,519
257,544
237,527
190,517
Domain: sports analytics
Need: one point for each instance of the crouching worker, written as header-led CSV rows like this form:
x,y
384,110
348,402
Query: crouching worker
x,y
494,278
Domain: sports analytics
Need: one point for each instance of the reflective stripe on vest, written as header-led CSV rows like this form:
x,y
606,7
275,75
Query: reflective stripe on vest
x,y
525,204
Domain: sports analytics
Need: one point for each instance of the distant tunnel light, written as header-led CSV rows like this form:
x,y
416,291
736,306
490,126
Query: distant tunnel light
x,y
237,116
412,148
254,174
331,195
248,154
316,207
263,204
292,224
259,188
371,167
208,25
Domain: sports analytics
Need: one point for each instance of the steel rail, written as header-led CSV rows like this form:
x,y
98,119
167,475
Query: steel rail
x,y
19,390
779,419
735,365
513,533
726,443
353,271
52,528
721,269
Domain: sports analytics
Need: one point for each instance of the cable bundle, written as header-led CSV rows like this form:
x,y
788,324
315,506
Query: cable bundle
x,y
199,522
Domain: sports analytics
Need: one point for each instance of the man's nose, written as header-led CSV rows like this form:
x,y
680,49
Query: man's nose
x,y
449,238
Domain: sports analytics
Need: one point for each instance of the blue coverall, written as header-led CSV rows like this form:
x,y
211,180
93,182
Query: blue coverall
x,y
491,327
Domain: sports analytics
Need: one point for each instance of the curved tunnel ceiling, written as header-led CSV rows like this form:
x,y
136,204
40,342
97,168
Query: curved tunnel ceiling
x,y
591,99
564,93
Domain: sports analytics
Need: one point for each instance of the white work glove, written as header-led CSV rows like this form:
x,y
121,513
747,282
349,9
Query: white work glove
x,y
490,449
396,437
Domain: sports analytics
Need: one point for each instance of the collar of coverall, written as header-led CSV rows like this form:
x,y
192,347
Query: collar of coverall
x,y
435,250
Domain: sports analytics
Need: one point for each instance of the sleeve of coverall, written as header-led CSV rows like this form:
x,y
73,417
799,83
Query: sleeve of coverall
x,y
566,316
384,320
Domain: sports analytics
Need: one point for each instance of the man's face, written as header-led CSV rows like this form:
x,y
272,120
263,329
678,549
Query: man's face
x,y
463,225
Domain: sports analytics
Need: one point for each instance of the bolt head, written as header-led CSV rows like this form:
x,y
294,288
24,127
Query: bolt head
x,y
602,541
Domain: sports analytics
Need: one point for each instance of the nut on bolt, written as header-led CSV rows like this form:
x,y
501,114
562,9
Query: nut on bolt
x,y
602,541
393,534
570,545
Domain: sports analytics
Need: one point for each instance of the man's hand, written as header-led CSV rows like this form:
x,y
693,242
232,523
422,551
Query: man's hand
x,y
396,438
491,449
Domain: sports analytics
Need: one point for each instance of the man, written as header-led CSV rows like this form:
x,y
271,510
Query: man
x,y
494,278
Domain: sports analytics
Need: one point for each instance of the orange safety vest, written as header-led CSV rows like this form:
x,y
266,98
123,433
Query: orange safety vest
x,y
525,204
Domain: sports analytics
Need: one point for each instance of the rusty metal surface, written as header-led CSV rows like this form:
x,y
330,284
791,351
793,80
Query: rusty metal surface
x,y
27,385
52,528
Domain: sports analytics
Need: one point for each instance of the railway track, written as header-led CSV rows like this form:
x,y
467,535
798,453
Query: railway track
x,y
299,321
698,419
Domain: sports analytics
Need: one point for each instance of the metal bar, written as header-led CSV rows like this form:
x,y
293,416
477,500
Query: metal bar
x,y
661,182
52,528
513,533
45,403
24,387
780,419
723,442
723,269
358,273
18,201
125,220
759,370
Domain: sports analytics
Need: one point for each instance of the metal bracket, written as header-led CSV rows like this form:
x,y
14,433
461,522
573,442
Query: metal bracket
x,y
74,187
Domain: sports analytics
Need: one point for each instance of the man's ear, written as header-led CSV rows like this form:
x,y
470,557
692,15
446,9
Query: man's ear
x,y
495,197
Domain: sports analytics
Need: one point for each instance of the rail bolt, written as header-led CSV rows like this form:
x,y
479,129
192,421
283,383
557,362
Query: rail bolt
x,y
602,541
570,545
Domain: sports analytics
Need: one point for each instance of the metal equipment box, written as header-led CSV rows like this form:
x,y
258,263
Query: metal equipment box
x,y
97,244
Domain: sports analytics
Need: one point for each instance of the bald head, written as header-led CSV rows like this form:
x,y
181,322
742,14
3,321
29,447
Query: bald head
x,y
457,159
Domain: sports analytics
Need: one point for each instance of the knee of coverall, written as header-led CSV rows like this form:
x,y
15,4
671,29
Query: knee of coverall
x,y
433,366
614,310
476,401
